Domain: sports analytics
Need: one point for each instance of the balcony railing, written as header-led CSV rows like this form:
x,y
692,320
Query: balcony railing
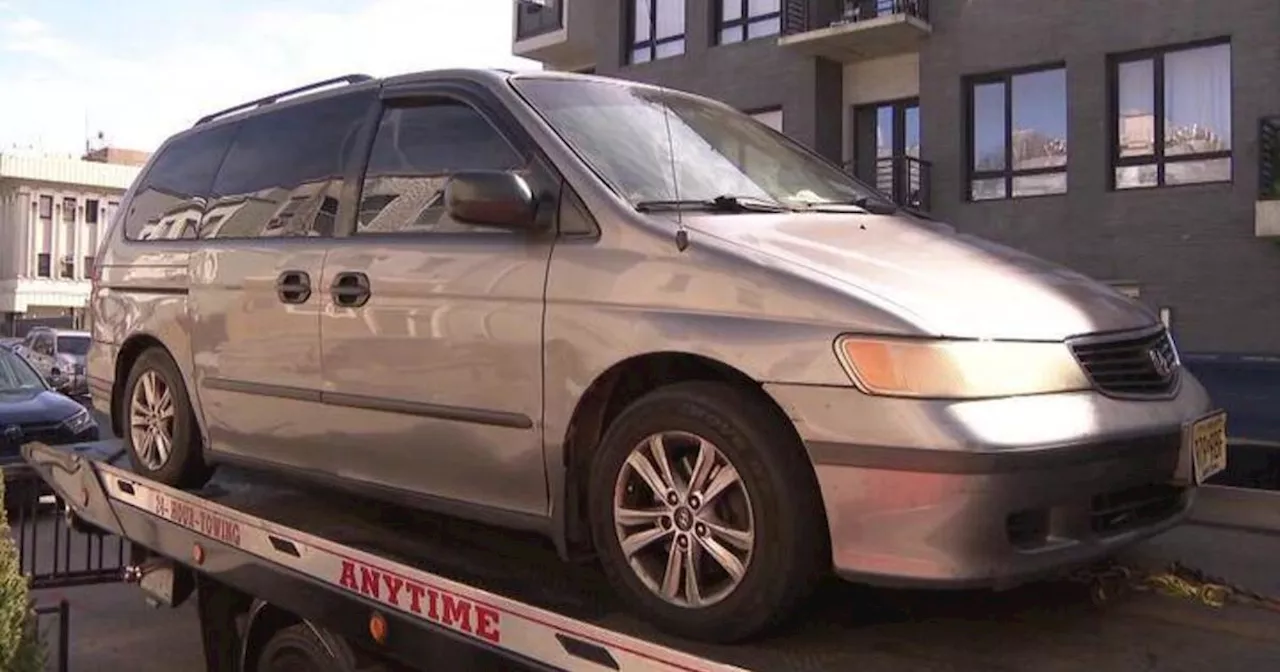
x,y
1269,159
1267,209
533,19
800,16
905,179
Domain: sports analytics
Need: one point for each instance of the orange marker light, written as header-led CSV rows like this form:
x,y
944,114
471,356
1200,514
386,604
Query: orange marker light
x,y
197,553
378,627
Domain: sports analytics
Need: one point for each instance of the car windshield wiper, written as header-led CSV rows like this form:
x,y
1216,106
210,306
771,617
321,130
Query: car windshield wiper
x,y
724,203
865,203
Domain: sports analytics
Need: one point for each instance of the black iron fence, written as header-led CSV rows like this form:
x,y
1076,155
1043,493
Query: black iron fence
x,y
1269,159
799,16
54,555
59,653
534,18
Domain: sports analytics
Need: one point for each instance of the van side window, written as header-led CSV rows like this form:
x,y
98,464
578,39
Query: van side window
x,y
414,152
169,200
283,175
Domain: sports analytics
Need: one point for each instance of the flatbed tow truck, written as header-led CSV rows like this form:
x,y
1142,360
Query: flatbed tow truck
x,y
291,578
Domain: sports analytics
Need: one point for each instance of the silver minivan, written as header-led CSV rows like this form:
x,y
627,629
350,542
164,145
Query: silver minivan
x,y
643,324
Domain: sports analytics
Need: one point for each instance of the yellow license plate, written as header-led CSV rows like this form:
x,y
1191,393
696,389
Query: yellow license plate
x,y
1207,440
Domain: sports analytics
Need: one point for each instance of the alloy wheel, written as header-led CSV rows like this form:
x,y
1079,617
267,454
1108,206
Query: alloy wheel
x,y
151,418
684,519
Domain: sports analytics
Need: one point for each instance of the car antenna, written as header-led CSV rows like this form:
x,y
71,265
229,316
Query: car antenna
x,y
682,234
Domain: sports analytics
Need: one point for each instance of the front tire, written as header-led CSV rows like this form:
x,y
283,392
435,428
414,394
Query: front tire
x,y
705,512
298,648
160,429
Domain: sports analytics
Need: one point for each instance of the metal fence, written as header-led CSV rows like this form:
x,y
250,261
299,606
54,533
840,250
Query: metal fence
x,y
54,555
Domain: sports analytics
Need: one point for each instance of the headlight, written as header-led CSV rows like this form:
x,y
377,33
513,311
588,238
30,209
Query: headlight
x,y
943,369
79,422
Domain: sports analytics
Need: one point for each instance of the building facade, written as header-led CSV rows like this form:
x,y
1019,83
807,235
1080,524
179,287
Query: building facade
x,y
53,213
1132,141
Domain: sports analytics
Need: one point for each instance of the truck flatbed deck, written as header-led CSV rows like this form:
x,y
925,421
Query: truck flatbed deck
x,y
336,560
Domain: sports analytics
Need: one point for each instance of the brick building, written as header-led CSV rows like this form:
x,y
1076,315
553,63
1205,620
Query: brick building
x,y
1032,123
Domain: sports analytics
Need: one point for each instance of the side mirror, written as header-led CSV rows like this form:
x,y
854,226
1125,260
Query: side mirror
x,y
491,198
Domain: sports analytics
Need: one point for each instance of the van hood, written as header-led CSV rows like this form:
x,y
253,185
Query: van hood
x,y
947,283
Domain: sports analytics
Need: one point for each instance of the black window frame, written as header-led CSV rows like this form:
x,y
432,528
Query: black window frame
x,y
742,23
1008,173
631,44
44,265
1157,157
91,210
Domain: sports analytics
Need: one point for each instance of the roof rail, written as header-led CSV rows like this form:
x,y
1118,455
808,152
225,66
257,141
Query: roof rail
x,y
260,102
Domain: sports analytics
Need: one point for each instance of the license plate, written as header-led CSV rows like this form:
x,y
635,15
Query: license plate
x,y
1204,446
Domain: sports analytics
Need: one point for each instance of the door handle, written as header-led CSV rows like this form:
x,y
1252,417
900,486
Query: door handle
x,y
350,289
293,287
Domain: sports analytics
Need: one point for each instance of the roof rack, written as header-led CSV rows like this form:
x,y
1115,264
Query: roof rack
x,y
275,97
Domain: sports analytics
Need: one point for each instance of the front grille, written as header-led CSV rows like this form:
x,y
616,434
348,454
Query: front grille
x,y
1135,507
50,433
1144,365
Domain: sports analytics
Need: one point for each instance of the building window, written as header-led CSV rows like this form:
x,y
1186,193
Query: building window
x,y
46,207
1181,96
68,267
534,19
43,265
742,20
69,210
91,211
1017,130
656,29
88,267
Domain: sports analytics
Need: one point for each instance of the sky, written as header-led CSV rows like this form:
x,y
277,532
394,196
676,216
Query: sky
x,y
140,70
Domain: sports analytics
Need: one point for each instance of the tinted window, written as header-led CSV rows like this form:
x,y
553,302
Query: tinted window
x,y
283,175
414,152
163,205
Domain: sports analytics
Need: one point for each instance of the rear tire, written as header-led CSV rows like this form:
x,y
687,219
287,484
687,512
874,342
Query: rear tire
x,y
159,425
773,501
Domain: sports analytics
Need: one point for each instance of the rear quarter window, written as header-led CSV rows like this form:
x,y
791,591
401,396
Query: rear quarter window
x,y
169,201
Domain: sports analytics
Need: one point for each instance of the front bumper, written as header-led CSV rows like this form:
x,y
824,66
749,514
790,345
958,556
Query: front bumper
x,y
989,493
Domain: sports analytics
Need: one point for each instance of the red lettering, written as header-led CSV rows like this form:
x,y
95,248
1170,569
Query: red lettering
x,y
433,611
415,596
348,579
487,624
394,584
369,582
457,612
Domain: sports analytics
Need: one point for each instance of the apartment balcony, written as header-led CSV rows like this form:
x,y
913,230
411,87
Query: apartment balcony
x,y
905,179
1267,209
854,30
557,33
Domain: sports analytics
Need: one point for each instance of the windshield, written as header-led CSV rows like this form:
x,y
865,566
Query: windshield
x,y
73,345
16,374
621,131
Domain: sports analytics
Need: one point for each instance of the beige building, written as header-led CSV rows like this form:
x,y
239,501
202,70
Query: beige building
x,y
53,212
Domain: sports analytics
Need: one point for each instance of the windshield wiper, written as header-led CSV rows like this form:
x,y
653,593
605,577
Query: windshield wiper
x,y
875,207
724,203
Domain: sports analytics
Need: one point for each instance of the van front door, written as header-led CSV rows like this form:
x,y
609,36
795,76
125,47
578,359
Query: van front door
x,y
432,341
